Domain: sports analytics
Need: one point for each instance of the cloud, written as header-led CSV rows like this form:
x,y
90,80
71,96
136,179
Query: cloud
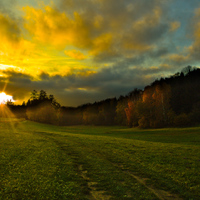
x,y
93,34
13,83
9,31
53,28
101,44
178,58
85,51
159,52
6,6
189,55
75,54
105,29
14,49
50,26
174,25
145,31
75,89
194,49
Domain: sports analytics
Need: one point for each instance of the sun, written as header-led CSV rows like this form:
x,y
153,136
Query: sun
x,y
4,98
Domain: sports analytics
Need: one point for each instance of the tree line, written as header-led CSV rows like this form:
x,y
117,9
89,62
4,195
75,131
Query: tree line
x,y
169,102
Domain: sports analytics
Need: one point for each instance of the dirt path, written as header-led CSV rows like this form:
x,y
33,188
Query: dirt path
x,y
161,194
95,194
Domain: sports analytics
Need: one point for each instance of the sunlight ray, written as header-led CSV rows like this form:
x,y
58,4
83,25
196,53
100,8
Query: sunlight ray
x,y
7,116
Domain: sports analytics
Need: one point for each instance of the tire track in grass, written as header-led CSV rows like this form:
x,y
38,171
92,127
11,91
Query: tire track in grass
x,y
160,194
95,194
92,193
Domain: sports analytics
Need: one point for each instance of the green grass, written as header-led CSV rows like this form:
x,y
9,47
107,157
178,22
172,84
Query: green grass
x,y
39,161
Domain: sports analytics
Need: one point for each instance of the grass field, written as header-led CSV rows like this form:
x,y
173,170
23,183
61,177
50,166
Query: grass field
x,y
40,161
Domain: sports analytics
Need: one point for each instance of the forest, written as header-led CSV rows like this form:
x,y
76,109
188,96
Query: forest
x,y
168,102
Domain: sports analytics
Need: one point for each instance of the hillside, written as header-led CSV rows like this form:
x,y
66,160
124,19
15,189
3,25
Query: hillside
x,y
167,102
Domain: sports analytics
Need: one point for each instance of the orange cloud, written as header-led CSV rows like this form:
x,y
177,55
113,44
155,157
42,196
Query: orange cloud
x,y
75,54
100,33
9,30
9,37
47,32
178,58
103,43
13,49
50,26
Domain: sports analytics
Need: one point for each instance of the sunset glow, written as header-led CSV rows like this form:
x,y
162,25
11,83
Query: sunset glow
x,y
106,47
4,98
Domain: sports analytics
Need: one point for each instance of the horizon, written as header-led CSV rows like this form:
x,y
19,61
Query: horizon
x,y
100,100
85,52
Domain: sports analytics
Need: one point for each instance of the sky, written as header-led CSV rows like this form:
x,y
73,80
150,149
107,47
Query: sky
x,y
83,51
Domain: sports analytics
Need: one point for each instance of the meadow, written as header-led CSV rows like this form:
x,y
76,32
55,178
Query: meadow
x,y
40,161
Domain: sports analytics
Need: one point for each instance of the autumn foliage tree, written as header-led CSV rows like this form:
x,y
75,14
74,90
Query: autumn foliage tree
x,y
152,109
161,104
132,114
